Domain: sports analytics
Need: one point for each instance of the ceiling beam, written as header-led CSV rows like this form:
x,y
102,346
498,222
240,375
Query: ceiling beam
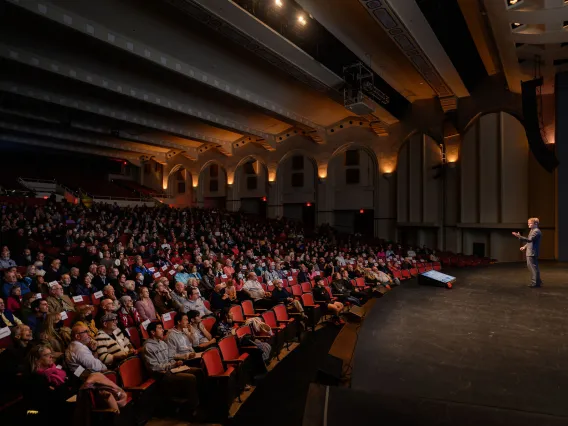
x,y
135,159
132,46
76,137
108,111
125,89
407,26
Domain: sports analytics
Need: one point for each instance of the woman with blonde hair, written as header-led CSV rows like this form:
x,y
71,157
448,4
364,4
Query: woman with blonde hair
x,y
85,317
54,333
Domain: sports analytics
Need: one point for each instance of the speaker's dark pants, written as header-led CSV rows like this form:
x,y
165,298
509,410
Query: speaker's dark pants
x,y
532,264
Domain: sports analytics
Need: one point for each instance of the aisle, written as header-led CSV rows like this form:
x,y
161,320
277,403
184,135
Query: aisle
x,y
280,398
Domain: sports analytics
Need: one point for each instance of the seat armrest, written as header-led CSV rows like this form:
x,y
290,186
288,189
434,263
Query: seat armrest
x,y
236,361
288,321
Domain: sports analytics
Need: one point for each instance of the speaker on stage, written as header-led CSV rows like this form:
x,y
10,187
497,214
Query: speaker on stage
x,y
545,157
329,374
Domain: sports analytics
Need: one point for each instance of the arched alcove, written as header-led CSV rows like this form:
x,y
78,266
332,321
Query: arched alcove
x,y
251,185
180,186
352,175
501,186
212,185
296,180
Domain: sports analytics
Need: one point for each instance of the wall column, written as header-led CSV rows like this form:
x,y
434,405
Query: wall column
x,y
274,208
324,201
561,139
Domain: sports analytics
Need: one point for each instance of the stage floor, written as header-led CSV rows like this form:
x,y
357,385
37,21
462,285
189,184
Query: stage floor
x,y
490,341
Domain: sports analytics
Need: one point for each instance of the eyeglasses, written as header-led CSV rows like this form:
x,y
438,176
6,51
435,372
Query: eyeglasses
x,y
47,355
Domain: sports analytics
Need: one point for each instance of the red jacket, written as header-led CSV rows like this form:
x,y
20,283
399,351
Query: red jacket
x,y
129,319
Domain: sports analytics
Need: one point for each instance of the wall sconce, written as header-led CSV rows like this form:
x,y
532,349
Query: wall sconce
x,y
388,175
452,164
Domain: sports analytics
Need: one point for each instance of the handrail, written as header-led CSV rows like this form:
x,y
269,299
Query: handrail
x,y
37,180
65,188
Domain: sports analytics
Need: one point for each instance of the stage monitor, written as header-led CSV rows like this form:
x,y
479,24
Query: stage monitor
x,y
437,279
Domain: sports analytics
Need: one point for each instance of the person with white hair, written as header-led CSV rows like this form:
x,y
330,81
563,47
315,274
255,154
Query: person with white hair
x,y
128,316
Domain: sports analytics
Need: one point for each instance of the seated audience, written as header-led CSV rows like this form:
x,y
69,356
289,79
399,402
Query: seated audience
x,y
163,301
179,339
36,320
54,333
256,293
160,361
128,315
219,299
196,303
200,337
85,317
112,345
7,317
144,305
322,297
79,355
57,301
281,295
10,280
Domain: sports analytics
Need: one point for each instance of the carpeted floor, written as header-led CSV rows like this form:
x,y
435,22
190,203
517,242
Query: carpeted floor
x,y
280,398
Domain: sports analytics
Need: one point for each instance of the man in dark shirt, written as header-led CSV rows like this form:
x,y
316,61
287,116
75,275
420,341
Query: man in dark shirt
x,y
219,300
341,287
281,295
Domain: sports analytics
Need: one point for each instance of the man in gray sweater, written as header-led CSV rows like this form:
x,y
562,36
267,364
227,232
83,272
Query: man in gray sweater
x,y
160,361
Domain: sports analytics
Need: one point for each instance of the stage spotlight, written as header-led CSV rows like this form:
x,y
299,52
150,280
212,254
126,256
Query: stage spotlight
x,y
302,20
278,3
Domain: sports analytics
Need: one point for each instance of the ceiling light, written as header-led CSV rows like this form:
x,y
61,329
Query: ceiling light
x,y
278,3
302,20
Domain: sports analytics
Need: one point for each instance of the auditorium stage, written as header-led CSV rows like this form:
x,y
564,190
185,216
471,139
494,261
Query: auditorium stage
x,y
489,342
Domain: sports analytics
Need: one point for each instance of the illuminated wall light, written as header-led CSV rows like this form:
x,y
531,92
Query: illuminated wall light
x,y
271,177
264,199
302,20
308,204
361,211
278,3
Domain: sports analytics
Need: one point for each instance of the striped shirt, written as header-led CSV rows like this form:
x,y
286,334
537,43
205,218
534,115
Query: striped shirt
x,y
108,347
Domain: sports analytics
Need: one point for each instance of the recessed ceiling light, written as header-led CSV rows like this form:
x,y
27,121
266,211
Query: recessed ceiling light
x,y
302,20
278,3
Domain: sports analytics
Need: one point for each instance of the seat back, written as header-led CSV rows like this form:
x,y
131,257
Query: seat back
x,y
296,290
213,362
131,372
329,291
308,299
281,312
228,347
6,342
111,375
208,323
70,318
168,320
248,307
207,304
244,331
270,318
134,337
360,282
237,313
306,287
